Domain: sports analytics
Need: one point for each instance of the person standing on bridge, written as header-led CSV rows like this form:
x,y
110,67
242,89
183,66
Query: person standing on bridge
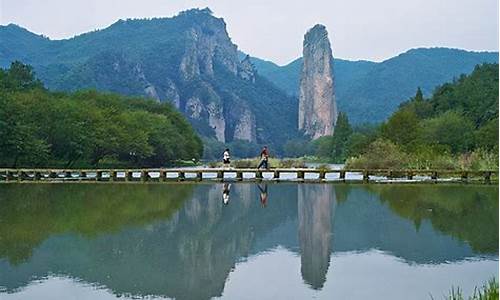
x,y
264,157
226,158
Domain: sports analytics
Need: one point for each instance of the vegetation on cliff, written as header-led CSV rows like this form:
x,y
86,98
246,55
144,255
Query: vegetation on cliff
x,y
456,128
86,128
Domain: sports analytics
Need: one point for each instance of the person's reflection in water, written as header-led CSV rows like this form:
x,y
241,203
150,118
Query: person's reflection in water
x,y
263,194
225,193
316,209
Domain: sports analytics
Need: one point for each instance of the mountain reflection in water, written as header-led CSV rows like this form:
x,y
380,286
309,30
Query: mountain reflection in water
x,y
182,241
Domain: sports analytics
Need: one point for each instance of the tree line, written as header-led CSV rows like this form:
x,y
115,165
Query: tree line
x,y
457,127
86,128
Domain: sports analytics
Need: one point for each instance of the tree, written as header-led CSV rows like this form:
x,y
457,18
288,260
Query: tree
x,y
401,128
449,129
341,135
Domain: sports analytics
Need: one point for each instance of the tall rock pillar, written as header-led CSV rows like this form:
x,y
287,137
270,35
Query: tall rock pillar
x,y
317,106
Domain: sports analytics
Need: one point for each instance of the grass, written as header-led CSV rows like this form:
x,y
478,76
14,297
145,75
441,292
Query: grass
x,y
488,291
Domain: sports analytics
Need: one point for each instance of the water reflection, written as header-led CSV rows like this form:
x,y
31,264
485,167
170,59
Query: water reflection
x,y
316,209
225,193
263,194
180,241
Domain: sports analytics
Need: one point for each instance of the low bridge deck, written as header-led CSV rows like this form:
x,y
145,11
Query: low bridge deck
x,y
231,174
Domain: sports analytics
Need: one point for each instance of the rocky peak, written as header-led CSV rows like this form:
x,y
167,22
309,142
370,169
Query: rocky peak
x,y
317,106
246,69
207,43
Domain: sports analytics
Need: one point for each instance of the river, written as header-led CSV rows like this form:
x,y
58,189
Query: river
x,y
245,240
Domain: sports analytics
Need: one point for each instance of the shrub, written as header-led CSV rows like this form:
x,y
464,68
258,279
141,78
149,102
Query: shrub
x,y
381,154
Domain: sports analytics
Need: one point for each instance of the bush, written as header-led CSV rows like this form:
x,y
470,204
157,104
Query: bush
x,y
381,154
479,159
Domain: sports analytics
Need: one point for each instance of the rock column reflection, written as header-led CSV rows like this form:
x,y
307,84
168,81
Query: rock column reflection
x,y
316,208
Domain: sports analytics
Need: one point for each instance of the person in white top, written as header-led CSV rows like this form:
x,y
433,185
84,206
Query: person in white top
x,y
226,159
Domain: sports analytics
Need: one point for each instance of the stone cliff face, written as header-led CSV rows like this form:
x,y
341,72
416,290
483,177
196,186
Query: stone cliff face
x,y
317,106
208,49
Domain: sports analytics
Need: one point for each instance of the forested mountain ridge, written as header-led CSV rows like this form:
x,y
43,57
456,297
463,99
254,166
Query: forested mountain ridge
x,y
187,60
369,92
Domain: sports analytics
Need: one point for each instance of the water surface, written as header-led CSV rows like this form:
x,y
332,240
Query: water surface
x,y
245,241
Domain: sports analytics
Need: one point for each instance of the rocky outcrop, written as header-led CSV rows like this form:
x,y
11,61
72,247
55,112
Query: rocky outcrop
x,y
317,107
246,69
244,120
207,43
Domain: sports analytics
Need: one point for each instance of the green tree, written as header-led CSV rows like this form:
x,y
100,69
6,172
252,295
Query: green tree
x,y
449,129
341,135
401,128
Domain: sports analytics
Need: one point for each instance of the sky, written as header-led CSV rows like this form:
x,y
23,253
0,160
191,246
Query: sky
x,y
274,29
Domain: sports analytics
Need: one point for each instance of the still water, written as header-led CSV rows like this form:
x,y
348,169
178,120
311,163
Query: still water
x,y
245,241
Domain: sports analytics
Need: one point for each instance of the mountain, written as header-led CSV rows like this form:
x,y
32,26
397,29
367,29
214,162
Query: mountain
x,y
369,92
188,60
317,106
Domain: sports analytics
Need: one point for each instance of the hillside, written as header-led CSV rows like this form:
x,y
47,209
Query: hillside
x,y
188,60
369,92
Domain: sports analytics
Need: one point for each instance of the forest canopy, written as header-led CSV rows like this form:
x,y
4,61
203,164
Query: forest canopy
x,y
86,128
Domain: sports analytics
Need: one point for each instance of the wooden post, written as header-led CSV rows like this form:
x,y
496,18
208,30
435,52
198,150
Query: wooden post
x,y
464,176
487,177
37,176
113,175
99,175
67,174
239,176
129,175
390,174
276,175
181,176
409,175
258,175
300,175
199,176
220,175
342,175
322,175
163,175
144,175
434,175
83,174
22,175
366,176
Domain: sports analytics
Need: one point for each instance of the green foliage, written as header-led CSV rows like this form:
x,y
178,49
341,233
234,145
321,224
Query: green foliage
x,y
487,135
40,128
450,130
457,128
401,128
381,154
335,147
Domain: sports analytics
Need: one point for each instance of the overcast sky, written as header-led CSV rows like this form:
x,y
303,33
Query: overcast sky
x,y
274,29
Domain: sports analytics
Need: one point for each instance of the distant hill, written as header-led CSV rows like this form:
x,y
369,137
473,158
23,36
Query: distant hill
x,y
369,91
